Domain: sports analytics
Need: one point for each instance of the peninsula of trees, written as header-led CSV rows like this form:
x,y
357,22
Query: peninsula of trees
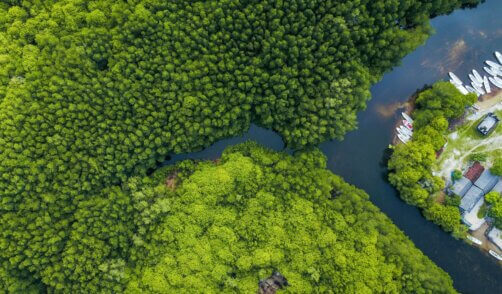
x,y
94,93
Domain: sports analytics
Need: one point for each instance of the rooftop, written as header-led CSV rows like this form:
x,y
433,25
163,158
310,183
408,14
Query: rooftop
x,y
470,198
470,218
495,235
461,186
498,186
486,181
474,171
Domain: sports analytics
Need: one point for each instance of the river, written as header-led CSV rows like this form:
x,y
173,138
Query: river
x,y
463,41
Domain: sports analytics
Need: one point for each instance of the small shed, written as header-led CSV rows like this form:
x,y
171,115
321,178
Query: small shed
x,y
495,235
486,181
471,198
488,124
474,171
461,186
498,186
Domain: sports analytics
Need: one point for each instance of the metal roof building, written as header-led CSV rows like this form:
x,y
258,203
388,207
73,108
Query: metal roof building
x,y
498,186
461,186
486,181
470,198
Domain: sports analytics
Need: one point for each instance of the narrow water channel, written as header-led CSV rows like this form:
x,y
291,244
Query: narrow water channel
x,y
463,41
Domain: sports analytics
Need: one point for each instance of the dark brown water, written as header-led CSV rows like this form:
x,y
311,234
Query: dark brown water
x,y
463,41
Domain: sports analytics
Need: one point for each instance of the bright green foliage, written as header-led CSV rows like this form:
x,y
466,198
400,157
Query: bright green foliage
x,y
233,223
95,92
494,199
443,100
411,164
456,175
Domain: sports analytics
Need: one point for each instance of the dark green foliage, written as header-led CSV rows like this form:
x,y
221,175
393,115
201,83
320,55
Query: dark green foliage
x,y
95,92
481,157
411,164
453,200
496,169
456,175
233,223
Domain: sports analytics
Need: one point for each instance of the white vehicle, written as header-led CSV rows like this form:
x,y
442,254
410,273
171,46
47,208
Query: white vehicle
x,y
462,89
474,80
407,117
478,88
406,136
495,254
492,71
495,82
455,79
403,139
477,76
493,64
407,124
487,85
498,55
454,83
474,240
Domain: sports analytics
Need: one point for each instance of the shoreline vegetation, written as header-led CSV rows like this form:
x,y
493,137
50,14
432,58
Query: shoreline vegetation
x,y
440,113
94,94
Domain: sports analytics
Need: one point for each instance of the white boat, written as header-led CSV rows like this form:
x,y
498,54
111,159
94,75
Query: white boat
x,y
471,89
403,139
491,71
406,131
493,64
407,117
474,80
454,83
406,136
407,124
474,240
498,55
478,88
487,85
462,89
495,254
495,82
477,76
455,79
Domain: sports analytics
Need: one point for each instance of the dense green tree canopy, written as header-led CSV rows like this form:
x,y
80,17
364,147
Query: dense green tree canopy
x,y
230,224
94,92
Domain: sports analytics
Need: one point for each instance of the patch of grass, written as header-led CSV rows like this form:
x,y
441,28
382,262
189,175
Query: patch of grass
x,y
482,211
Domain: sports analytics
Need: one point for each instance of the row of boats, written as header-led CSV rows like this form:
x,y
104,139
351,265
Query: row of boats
x,y
480,85
405,130
479,243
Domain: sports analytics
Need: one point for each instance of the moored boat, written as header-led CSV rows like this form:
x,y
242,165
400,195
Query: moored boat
x,y
407,124
495,82
455,79
487,85
407,117
471,89
498,55
406,131
477,76
462,89
474,80
491,71
493,64
478,88
495,254
474,240
403,139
